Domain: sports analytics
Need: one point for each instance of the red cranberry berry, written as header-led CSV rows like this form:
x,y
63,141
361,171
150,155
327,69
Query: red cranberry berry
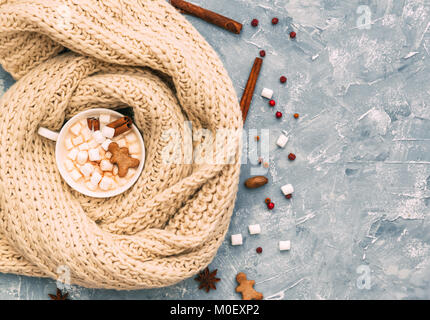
x,y
262,53
272,103
289,196
283,79
292,34
270,205
278,114
292,156
254,23
275,21
259,250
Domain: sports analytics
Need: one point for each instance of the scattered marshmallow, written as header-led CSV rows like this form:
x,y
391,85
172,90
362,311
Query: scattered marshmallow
x,y
284,245
95,178
77,140
236,239
267,93
106,165
94,155
84,147
75,174
282,141
72,154
99,137
106,183
82,157
105,144
68,143
108,155
76,129
69,165
254,229
134,148
108,132
87,169
104,119
287,189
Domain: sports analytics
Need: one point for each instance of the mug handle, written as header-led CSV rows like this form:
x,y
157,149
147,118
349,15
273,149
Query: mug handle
x,y
48,134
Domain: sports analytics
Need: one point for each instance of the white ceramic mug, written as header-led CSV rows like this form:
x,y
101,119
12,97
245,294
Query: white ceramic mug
x,y
60,152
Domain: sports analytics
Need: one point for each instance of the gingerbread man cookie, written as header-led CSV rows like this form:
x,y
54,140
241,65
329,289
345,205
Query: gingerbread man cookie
x,y
121,157
245,287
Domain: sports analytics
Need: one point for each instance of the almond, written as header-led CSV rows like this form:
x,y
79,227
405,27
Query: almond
x,y
256,182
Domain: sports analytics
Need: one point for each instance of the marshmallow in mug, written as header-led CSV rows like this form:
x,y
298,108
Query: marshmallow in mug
x,y
88,161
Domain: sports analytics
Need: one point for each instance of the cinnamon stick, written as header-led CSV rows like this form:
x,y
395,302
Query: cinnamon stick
x,y
123,128
208,16
250,87
120,122
93,124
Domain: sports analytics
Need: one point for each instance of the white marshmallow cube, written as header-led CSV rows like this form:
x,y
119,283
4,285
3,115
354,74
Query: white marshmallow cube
x,y
86,134
90,186
122,143
94,155
287,189
76,129
130,173
284,245
68,143
115,170
93,144
254,229
72,154
282,141
105,145
108,155
267,93
87,169
106,165
99,137
77,140
134,148
82,157
75,174
68,164
131,137
108,132
122,181
236,239
106,183
95,178
104,119
84,147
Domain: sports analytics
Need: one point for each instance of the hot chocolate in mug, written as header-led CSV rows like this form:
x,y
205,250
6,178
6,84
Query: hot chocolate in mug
x,y
95,158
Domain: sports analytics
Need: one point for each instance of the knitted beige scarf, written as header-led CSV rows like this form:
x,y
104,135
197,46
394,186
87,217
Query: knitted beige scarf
x,y
137,53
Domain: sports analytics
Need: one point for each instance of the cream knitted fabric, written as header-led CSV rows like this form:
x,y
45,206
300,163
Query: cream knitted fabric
x,y
169,225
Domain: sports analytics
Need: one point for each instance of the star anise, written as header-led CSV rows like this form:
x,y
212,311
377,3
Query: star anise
x,y
59,295
207,279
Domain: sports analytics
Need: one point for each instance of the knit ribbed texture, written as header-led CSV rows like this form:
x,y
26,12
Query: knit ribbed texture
x,y
138,53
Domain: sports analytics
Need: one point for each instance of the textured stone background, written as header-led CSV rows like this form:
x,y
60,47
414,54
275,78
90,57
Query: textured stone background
x,y
362,174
